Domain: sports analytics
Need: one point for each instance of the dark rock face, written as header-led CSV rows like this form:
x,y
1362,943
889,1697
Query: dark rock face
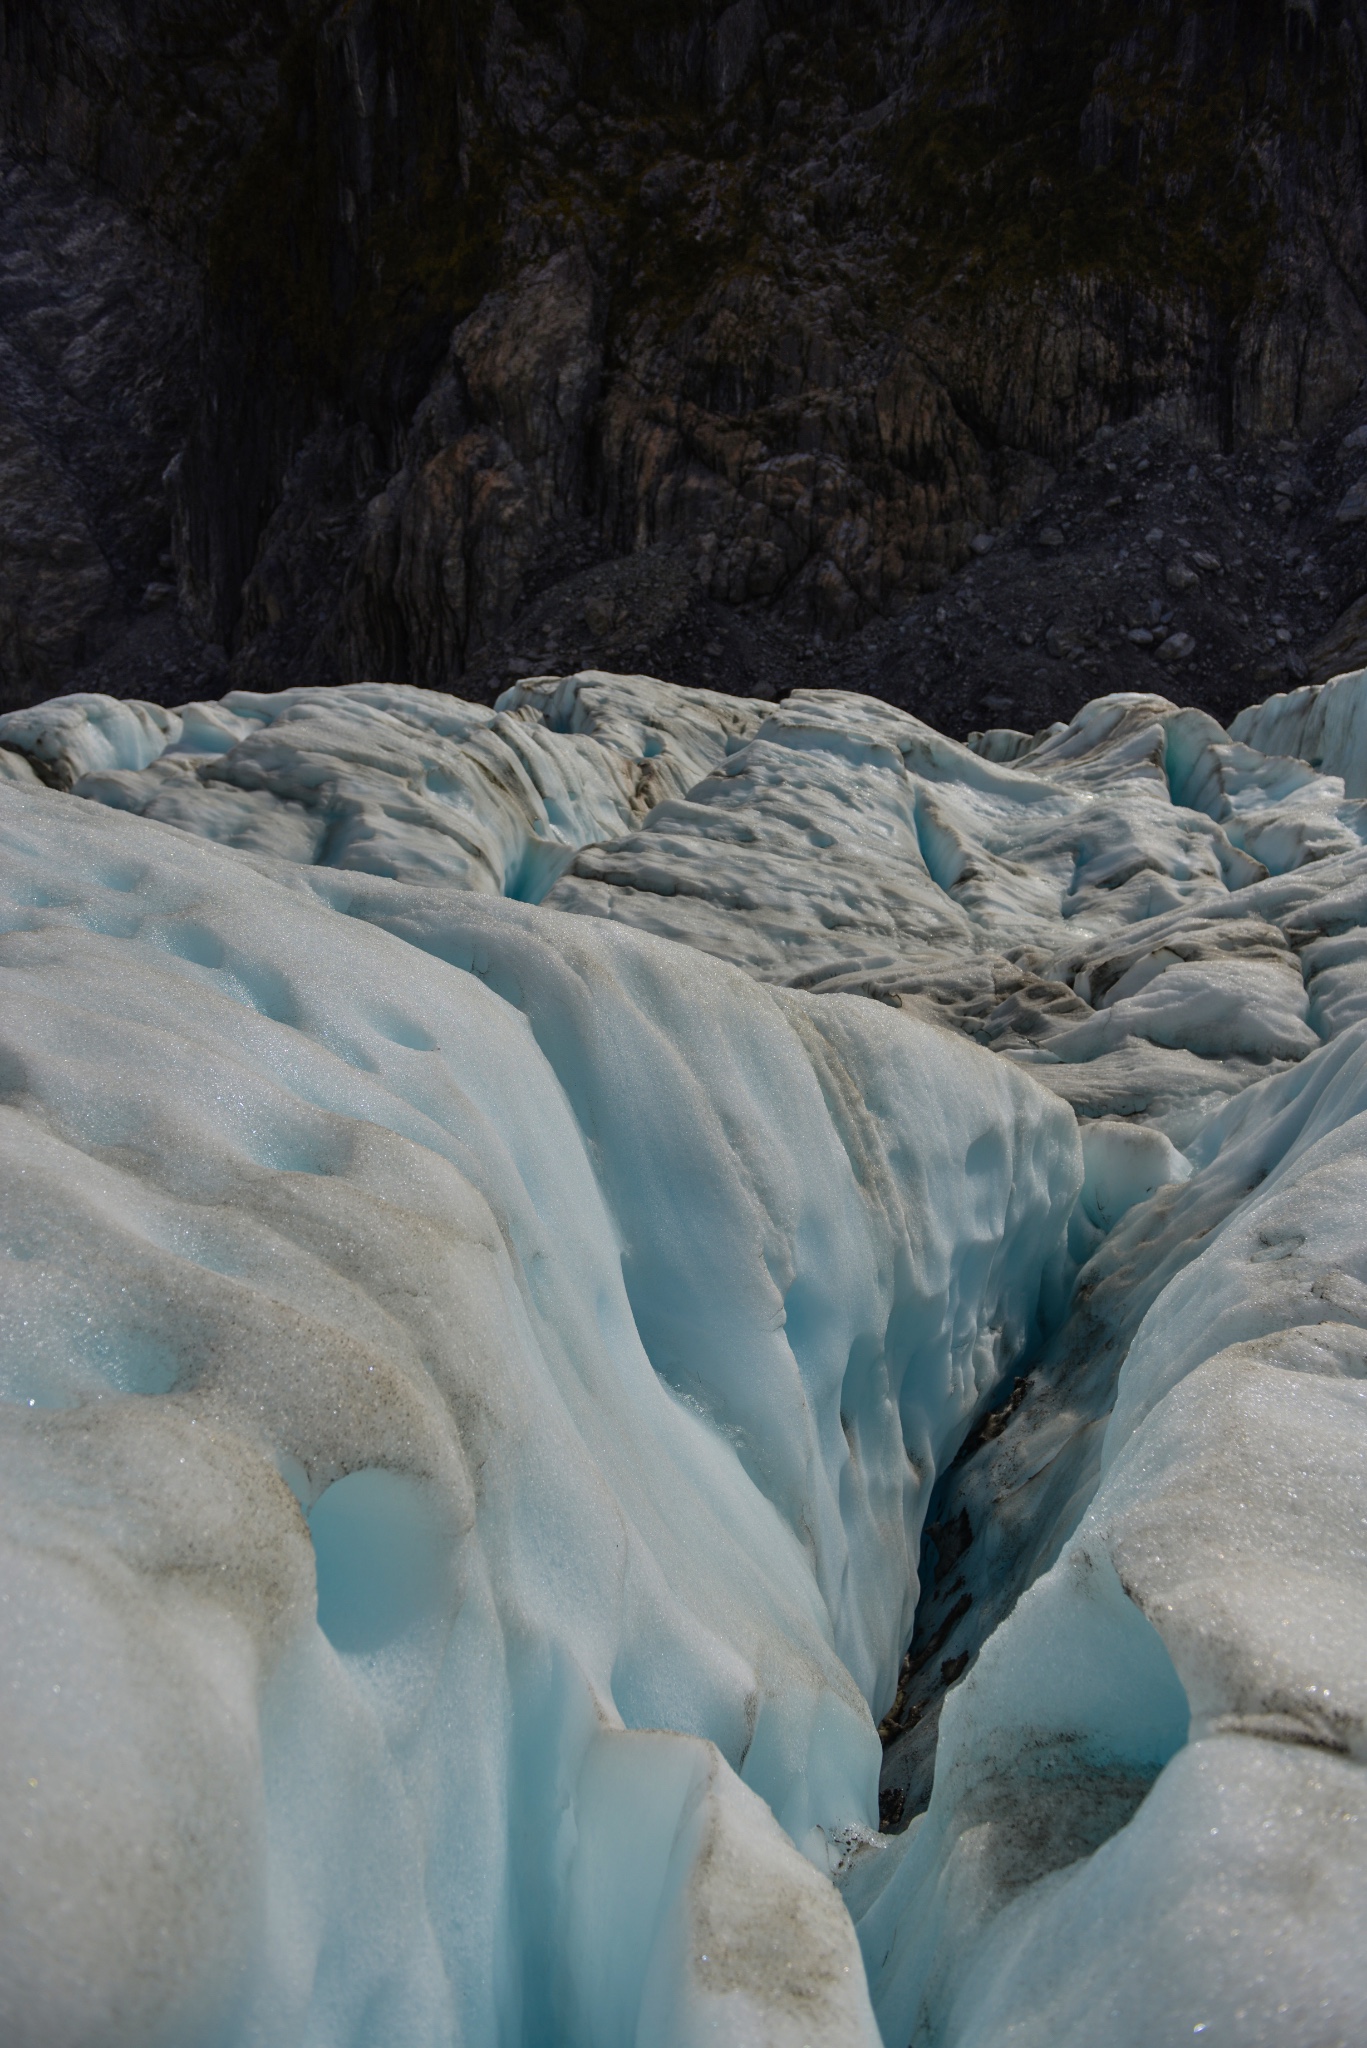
x,y
489,336
97,363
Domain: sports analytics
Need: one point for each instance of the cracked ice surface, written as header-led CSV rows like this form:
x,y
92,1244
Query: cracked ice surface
x,y
477,1372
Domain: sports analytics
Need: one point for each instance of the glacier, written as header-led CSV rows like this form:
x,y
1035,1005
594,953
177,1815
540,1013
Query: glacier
x,y
682,1369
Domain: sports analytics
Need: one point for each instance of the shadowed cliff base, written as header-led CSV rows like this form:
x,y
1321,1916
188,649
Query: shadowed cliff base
x,y
844,344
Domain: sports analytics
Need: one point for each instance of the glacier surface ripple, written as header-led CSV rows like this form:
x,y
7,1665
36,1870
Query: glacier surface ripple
x,y
681,1370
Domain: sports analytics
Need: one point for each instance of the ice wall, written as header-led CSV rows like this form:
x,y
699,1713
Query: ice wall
x,y
471,1391
1324,724
1147,1824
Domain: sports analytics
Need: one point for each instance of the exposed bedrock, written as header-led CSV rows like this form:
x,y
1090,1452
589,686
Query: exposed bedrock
x,y
793,304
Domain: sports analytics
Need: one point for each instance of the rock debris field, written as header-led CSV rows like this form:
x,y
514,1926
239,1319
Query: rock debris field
x,y
1147,561
684,1369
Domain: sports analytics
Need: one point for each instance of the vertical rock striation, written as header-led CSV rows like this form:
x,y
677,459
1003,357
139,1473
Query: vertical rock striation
x,y
802,299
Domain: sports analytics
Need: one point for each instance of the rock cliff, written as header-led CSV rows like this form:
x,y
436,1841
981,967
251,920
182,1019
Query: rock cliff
x,y
439,341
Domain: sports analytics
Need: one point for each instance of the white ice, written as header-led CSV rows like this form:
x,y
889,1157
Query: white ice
x,y
476,1371
1166,1736
436,1357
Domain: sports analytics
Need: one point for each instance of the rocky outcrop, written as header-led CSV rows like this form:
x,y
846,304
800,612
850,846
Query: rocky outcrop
x,y
495,470
90,416
808,299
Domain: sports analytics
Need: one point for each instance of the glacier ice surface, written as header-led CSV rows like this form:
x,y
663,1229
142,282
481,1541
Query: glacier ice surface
x,y
565,1263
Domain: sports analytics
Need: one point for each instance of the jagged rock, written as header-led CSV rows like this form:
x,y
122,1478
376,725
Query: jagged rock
x,y
1353,505
89,418
1344,647
499,451
805,314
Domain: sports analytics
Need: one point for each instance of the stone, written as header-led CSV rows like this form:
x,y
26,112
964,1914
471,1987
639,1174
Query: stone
x,y
356,490
90,416
1344,646
1353,506
1177,647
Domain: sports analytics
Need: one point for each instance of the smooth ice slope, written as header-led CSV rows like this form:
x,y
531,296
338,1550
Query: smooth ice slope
x,y
431,1355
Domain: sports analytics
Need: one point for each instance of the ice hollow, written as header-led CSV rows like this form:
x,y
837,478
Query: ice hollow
x,y
567,1265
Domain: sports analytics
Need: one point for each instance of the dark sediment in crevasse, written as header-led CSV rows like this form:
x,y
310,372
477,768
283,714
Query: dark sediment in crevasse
x,y
1022,1480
